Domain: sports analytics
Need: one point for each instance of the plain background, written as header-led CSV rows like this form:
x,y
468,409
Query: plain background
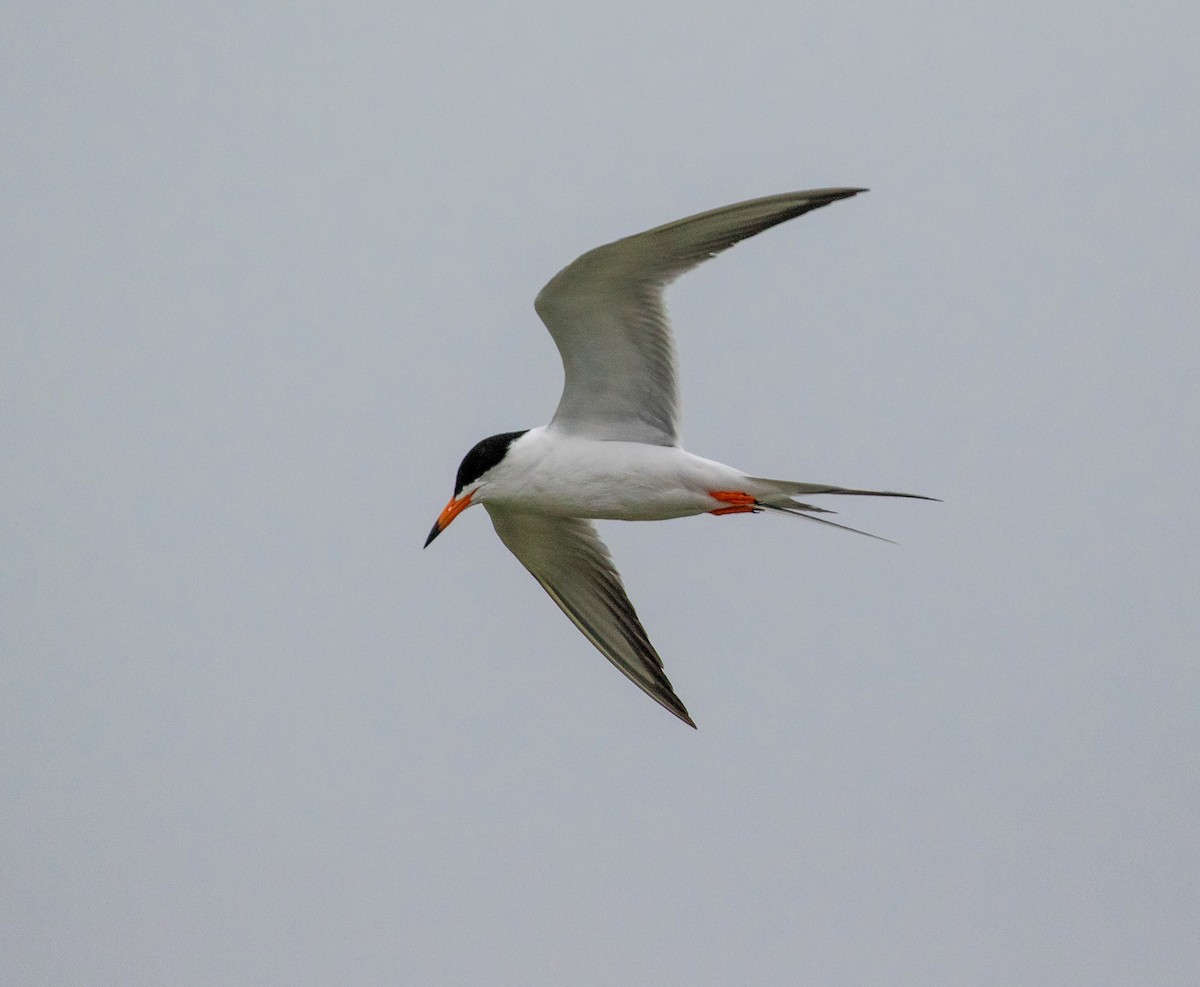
x,y
268,275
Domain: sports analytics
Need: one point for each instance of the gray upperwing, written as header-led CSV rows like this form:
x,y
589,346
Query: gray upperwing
x,y
605,313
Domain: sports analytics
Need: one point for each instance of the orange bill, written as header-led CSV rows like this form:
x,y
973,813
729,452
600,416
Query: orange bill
x,y
452,510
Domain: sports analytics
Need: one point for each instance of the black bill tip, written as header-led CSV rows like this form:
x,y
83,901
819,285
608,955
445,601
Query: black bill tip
x,y
433,533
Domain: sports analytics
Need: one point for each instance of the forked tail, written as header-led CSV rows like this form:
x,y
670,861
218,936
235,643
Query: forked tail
x,y
779,495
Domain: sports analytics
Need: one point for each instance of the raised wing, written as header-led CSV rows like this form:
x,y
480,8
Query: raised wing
x,y
568,558
605,312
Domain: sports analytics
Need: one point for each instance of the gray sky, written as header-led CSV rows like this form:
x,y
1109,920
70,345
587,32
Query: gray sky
x,y
269,273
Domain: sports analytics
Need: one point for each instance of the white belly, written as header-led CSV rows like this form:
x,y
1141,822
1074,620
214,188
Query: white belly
x,y
625,481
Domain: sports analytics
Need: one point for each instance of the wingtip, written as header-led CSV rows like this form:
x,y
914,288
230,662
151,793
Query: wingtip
x,y
825,196
667,699
680,711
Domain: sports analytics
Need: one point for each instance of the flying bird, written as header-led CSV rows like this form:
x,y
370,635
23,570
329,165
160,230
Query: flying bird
x,y
612,451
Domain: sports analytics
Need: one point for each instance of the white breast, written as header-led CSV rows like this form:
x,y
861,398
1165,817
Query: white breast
x,y
574,477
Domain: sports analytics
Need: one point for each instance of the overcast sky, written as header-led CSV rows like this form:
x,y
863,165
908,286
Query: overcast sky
x,y
268,275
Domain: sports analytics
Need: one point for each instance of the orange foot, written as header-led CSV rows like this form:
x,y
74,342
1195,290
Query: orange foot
x,y
738,501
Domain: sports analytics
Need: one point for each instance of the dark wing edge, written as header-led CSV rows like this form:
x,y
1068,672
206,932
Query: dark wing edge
x,y
605,313
573,566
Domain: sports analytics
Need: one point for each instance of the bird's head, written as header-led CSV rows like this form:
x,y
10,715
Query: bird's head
x,y
472,477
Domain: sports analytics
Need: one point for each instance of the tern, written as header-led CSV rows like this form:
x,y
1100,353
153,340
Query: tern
x,y
612,450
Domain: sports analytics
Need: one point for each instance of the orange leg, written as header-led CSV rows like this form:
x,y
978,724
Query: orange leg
x,y
738,501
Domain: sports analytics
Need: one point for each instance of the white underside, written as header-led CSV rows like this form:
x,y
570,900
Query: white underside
x,y
552,473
